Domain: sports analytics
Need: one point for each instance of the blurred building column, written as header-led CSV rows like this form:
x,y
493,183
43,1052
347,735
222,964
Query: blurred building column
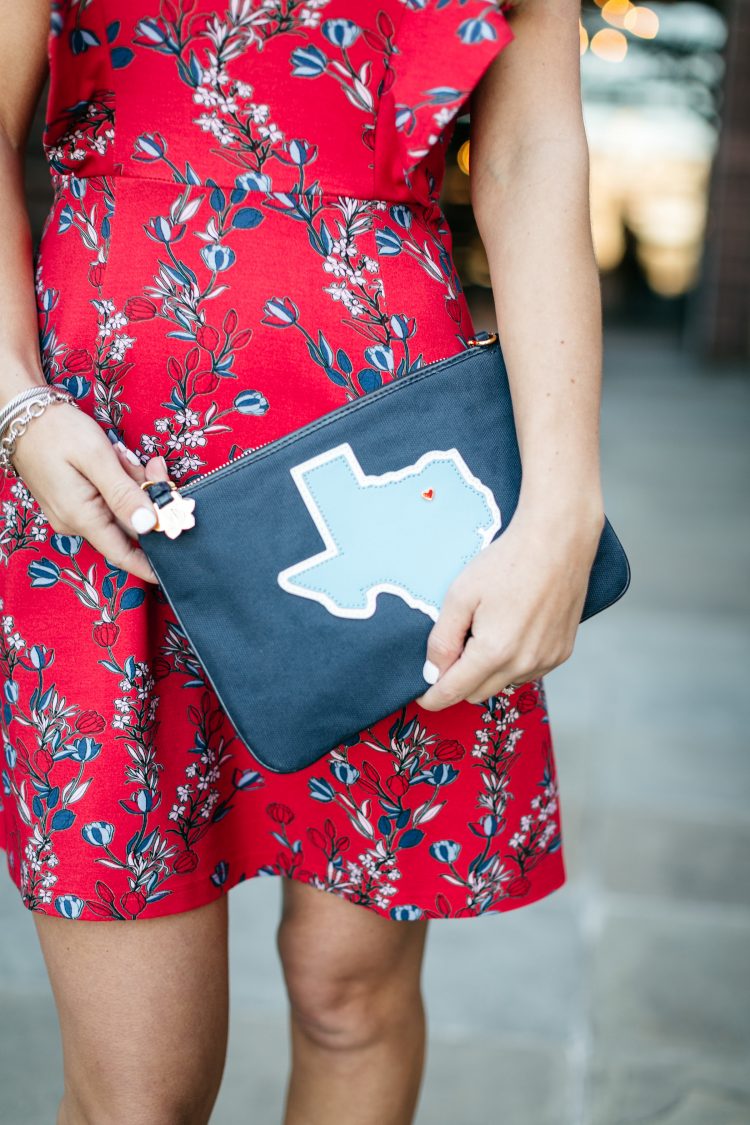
x,y
718,323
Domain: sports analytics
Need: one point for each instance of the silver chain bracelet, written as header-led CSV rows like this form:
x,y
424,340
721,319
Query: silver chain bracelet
x,y
13,406
18,413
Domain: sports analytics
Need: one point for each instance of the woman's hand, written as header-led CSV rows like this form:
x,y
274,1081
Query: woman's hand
x,y
522,598
86,486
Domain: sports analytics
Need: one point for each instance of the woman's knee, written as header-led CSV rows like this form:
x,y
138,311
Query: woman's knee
x,y
148,1088
352,976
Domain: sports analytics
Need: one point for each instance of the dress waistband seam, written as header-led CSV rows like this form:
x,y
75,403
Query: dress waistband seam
x,y
321,194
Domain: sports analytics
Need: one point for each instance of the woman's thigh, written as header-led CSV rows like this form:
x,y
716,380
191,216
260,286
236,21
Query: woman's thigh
x,y
143,1011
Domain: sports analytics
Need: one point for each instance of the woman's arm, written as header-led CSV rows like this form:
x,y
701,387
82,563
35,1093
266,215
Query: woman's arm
x,y
522,597
530,194
83,485
23,66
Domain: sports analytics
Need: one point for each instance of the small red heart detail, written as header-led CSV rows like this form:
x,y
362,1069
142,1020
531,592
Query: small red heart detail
x,y
428,493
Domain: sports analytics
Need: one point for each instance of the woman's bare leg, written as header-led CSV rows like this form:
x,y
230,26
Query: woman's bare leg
x,y
357,1018
143,1011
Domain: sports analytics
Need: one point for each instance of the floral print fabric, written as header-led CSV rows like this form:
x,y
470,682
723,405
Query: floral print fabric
x,y
245,234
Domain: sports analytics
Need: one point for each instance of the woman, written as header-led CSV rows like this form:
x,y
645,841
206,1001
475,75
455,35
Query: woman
x,y
245,234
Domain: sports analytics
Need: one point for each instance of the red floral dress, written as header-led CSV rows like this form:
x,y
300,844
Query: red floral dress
x,y
245,234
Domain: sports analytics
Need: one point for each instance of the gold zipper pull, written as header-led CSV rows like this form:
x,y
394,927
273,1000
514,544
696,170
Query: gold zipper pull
x,y
174,512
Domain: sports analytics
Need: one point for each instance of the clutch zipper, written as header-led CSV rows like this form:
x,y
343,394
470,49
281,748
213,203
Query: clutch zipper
x,y
166,493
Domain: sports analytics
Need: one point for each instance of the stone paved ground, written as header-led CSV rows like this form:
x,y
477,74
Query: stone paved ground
x,y
624,997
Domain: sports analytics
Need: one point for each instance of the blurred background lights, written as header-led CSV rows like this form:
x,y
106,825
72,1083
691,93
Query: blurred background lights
x,y
641,21
652,129
584,37
462,157
614,11
609,44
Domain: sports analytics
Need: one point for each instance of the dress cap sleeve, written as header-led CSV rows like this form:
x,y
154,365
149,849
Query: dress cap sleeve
x,y
443,48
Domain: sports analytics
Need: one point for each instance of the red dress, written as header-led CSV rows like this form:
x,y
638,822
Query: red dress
x,y
245,234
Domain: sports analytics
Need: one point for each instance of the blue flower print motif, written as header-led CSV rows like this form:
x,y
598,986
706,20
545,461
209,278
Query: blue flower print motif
x,y
406,913
99,833
162,230
388,242
380,356
341,32
445,851
85,750
308,62
299,153
77,385
321,790
69,906
402,215
43,572
403,327
254,181
344,773
152,32
251,402
150,146
280,312
488,826
440,774
67,544
218,257
144,800
41,657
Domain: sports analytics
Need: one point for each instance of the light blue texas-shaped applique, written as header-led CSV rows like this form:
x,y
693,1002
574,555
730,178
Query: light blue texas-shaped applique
x,y
407,532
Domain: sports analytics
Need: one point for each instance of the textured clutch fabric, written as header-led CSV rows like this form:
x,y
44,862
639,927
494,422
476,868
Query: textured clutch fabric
x,y
308,573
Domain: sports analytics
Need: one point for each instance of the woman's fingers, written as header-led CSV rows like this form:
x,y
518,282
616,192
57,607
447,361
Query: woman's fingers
x,y
120,512
87,486
119,549
156,469
448,635
460,680
495,684
122,550
130,461
123,496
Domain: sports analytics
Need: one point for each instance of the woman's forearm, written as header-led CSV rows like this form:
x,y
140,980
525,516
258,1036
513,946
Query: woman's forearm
x,y
20,361
535,227
530,194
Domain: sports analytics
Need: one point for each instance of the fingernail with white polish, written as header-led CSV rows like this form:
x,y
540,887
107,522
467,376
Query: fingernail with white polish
x,y
430,672
143,519
132,458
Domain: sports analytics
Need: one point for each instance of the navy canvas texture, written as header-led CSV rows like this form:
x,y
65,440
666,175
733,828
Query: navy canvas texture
x,y
295,679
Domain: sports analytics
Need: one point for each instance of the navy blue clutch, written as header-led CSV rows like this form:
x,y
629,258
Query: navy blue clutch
x,y
308,573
